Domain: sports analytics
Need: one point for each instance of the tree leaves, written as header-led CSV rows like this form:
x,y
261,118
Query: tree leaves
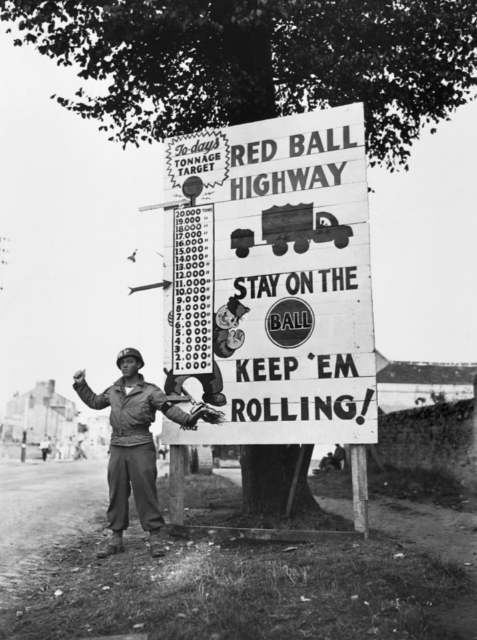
x,y
177,66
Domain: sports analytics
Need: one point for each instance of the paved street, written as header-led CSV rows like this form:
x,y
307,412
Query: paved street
x,y
41,502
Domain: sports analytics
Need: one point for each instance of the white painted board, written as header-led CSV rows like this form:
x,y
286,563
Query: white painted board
x,y
282,341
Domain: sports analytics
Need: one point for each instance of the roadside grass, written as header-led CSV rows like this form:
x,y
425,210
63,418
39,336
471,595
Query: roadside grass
x,y
215,501
218,590
418,485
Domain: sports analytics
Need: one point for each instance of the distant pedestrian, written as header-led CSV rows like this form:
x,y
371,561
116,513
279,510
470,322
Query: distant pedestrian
x,y
132,460
325,464
79,452
45,449
339,457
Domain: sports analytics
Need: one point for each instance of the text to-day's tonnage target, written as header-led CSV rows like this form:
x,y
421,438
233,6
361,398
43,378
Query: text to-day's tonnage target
x,y
269,319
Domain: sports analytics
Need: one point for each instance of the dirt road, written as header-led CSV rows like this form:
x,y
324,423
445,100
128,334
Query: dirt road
x,y
41,504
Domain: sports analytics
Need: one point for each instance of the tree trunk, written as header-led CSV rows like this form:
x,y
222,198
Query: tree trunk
x,y
267,470
267,474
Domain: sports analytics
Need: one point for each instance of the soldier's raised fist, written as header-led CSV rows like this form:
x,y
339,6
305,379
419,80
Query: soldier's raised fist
x,y
79,376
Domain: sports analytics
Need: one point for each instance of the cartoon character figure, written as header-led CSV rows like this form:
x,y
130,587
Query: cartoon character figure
x,y
227,338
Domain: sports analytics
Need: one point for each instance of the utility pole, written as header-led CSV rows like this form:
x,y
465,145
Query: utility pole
x,y
25,429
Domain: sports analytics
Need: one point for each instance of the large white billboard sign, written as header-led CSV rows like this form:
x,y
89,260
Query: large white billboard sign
x,y
269,318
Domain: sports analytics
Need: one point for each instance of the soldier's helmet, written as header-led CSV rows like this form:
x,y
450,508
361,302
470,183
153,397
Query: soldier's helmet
x,y
130,352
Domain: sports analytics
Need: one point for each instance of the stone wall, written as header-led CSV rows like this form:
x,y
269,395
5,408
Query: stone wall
x,y
441,436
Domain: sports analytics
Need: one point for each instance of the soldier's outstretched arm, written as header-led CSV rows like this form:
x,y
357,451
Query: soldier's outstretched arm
x,y
171,411
88,396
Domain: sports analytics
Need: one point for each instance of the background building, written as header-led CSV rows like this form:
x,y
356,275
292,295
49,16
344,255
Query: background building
x,y
43,414
407,385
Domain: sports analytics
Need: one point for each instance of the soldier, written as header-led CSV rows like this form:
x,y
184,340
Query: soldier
x,y
132,460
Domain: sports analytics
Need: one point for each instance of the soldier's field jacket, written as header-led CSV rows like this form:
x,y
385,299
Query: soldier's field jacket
x,y
131,414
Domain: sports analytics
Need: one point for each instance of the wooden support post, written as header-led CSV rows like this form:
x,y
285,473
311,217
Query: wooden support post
x,y
360,488
176,484
304,448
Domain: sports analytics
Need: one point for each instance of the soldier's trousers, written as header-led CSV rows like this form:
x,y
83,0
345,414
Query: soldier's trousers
x,y
133,467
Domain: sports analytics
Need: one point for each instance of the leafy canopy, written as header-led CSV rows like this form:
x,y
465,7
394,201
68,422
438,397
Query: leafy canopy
x,y
177,66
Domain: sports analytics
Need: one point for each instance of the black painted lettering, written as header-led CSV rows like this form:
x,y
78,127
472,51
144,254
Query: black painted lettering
x,y
338,279
261,185
252,152
323,365
263,287
344,367
237,153
345,408
306,281
254,410
323,407
315,143
296,320
305,408
290,365
240,288
330,143
273,283
293,283
297,147
278,182
274,368
346,142
252,280
287,321
324,279
336,171
269,149
305,320
258,370
286,417
351,275
298,178
248,183
238,407
318,176
267,411
241,371
275,322
236,189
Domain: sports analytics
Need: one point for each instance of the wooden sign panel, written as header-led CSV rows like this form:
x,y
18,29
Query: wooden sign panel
x,y
269,318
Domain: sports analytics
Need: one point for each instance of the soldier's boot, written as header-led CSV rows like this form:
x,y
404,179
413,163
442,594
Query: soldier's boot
x,y
114,545
217,399
157,546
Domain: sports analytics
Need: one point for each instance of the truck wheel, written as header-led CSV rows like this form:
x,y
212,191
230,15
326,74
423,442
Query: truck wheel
x,y
301,246
280,248
341,243
242,252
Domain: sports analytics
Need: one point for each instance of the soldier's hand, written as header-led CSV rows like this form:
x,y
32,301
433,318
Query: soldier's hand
x,y
192,421
80,376
207,414
170,318
235,339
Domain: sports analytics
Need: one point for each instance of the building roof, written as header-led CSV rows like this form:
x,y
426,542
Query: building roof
x,y
456,373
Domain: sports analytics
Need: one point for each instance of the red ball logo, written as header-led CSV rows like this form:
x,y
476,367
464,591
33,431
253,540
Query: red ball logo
x,y
290,322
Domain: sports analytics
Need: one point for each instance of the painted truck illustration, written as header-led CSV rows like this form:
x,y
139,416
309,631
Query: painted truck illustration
x,y
293,223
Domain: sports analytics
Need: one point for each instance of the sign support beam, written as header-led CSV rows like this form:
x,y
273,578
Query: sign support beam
x,y
360,488
176,484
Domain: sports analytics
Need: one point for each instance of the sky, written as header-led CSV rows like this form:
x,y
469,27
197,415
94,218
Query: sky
x,y
69,204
